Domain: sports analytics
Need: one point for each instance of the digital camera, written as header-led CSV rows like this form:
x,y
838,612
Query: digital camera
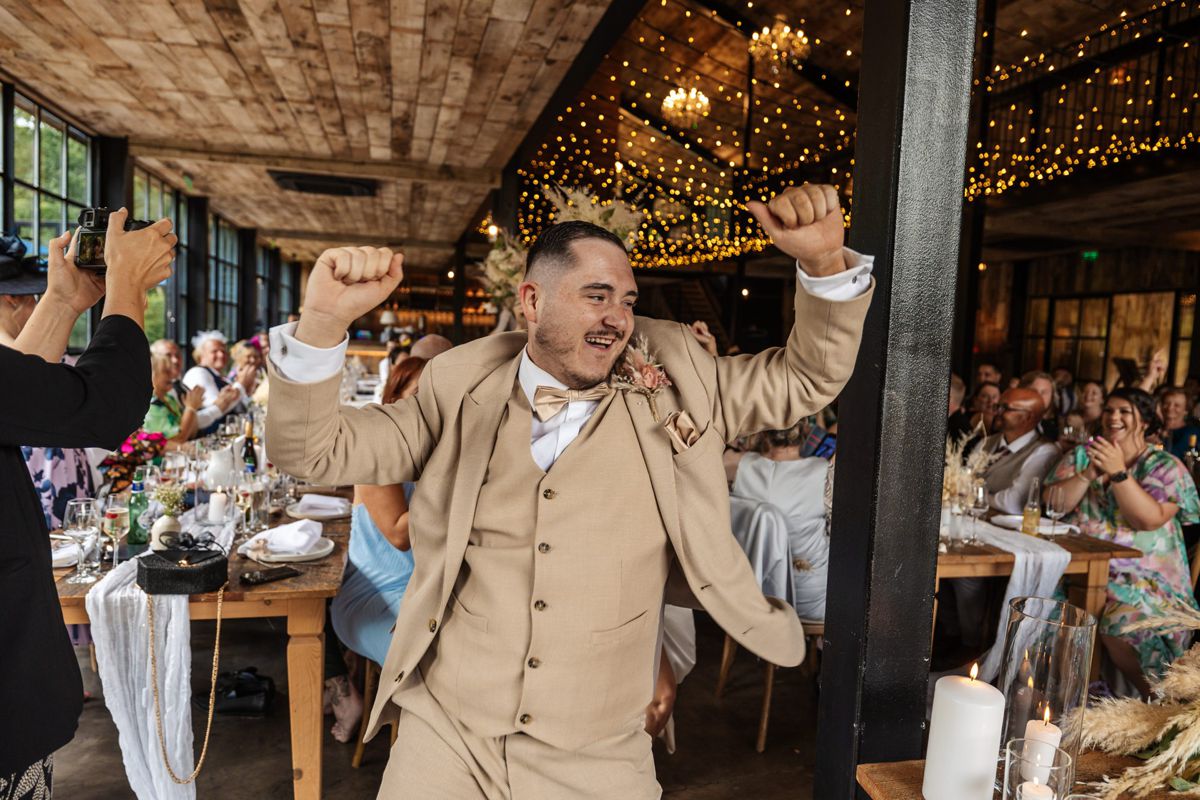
x,y
93,225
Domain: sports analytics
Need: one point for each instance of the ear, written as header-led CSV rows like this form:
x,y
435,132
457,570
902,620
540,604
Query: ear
x,y
529,295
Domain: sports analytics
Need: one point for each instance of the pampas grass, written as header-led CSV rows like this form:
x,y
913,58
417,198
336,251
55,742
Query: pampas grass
x,y
961,470
617,216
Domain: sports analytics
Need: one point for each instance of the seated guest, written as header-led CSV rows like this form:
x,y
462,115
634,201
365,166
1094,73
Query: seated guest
x,y
987,372
221,396
379,565
176,420
248,358
429,346
1043,384
1091,405
1124,491
983,406
1064,390
776,473
958,424
1020,454
1178,427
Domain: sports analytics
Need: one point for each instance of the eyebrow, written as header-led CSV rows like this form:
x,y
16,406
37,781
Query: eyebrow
x,y
606,287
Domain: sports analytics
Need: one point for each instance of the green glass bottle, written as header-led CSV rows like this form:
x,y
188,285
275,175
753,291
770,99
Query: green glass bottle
x,y
139,532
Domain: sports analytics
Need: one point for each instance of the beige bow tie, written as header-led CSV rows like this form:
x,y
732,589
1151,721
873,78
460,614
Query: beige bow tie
x,y
548,401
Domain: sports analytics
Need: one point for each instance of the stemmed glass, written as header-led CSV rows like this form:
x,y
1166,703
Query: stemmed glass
x,y
1056,507
977,507
81,523
116,523
174,467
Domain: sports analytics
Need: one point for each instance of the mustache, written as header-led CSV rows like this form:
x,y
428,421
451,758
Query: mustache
x,y
616,334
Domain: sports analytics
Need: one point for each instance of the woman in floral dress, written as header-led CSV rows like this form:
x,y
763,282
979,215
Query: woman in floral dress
x,y
1125,491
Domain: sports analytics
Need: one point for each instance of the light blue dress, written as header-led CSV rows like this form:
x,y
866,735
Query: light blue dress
x,y
365,609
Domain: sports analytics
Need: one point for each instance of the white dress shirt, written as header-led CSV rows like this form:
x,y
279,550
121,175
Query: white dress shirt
x,y
303,363
210,412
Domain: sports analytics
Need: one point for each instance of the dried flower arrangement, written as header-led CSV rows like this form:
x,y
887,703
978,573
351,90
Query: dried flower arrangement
x,y
961,469
616,216
1165,732
171,497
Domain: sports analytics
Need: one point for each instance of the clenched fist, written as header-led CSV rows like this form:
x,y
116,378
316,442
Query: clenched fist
x,y
345,283
806,223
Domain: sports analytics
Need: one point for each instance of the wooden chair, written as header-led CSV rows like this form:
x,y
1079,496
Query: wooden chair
x,y
812,630
370,686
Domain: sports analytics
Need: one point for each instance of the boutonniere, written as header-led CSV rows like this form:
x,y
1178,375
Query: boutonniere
x,y
638,371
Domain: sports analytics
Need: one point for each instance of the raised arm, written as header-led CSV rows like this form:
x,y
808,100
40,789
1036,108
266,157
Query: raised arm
x,y
308,434
777,387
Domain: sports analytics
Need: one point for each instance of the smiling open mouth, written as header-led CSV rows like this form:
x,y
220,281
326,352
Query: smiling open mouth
x,y
601,342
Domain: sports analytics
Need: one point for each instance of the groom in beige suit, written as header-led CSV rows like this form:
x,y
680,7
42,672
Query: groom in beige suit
x,y
556,505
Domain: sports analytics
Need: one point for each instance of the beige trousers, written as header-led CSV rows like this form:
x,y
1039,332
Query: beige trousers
x,y
436,758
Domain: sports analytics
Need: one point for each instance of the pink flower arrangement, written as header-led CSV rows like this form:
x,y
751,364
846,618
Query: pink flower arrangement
x,y
639,372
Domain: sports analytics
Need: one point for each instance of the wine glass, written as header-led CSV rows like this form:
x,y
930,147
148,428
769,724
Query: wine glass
x,y
115,524
174,466
81,523
1056,506
977,506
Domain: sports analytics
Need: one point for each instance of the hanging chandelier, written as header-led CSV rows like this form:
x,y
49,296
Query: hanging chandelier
x,y
685,107
779,46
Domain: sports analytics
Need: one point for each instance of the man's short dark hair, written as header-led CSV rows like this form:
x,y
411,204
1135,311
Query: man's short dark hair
x,y
553,245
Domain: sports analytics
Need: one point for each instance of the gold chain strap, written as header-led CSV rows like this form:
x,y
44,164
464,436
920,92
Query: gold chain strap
x,y
212,695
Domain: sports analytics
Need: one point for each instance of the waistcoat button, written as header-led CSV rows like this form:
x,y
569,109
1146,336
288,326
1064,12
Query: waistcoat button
x,y
534,663
549,494
525,719
433,626
539,605
543,548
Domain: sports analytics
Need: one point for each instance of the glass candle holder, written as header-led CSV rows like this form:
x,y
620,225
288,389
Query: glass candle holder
x,y
1034,770
1047,661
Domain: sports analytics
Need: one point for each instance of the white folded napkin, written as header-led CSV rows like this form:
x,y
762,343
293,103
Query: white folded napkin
x,y
1046,526
319,503
64,554
294,539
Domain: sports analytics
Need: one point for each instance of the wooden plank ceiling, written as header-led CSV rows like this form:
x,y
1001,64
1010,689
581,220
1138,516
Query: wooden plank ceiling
x,y
432,97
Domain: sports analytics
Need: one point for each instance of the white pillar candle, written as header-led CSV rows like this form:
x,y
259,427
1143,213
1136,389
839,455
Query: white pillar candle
x,y
1041,738
1034,791
964,739
217,505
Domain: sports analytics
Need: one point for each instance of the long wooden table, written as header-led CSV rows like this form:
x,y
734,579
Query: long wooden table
x,y
901,780
302,601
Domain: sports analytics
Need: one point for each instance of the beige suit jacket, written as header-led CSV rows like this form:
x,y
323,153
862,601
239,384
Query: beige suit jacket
x,y
444,436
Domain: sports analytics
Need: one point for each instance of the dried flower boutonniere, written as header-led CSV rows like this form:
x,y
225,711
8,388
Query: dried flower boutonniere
x,y
638,371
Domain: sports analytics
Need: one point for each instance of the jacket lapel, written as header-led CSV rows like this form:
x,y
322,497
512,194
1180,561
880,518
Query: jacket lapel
x,y
480,424
656,450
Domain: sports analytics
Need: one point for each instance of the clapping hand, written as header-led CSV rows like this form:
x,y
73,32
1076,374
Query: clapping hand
x,y
699,329
194,399
1106,456
806,223
345,283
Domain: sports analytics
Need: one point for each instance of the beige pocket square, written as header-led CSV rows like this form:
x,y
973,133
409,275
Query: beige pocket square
x,y
682,429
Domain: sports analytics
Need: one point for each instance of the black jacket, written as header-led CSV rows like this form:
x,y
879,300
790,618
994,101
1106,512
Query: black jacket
x,y
95,403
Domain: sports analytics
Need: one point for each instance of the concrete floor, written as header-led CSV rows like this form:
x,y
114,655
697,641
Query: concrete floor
x,y
249,759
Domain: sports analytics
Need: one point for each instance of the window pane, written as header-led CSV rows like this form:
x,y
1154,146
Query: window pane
x,y
1141,325
1062,354
77,170
79,334
24,133
141,195
156,201
1091,360
50,222
50,154
181,229
24,215
1035,350
1066,317
1095,317
1187,316
1035,321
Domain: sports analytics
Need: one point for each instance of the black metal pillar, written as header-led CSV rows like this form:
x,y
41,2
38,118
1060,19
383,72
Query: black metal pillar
x,y
912,130
247,281
6,159
197,266
1019,305
273,273
113,172
460,289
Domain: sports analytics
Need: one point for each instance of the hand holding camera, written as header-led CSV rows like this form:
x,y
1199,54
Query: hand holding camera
x,y
135,259
73,288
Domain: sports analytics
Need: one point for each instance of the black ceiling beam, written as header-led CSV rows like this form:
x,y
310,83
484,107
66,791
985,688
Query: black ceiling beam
x,y
842,88
1147,43
600,42
673,133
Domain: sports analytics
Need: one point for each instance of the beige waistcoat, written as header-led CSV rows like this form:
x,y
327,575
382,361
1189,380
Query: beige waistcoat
x,y
560,571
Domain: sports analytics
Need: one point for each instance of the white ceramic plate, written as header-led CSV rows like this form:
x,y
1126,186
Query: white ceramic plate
x,y
322,548
294,512
1047,528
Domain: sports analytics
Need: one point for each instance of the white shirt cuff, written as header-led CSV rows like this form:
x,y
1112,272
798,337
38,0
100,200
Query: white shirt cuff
x,y
303,363
845,285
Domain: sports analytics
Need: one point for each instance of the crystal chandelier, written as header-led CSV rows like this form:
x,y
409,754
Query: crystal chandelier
x,y
779,46
685,107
